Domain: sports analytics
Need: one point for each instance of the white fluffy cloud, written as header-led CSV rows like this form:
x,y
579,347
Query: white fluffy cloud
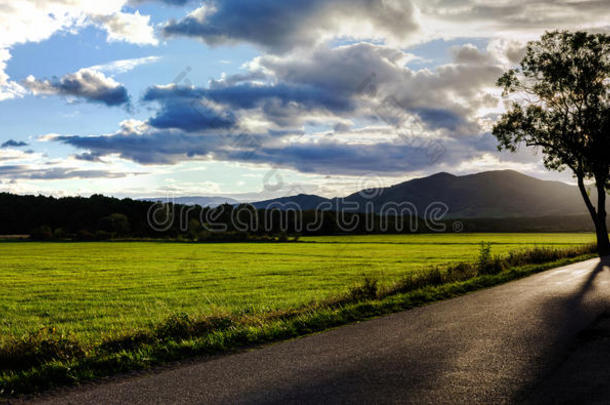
x,y
24,21
134,28
8,88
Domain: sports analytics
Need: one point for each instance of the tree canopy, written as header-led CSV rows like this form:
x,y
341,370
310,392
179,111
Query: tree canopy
x,y
560,103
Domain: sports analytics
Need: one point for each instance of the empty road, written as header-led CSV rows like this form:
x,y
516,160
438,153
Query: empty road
x,y
491,346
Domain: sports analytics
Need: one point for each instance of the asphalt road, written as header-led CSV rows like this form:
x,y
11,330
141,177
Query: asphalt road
x,y
492,346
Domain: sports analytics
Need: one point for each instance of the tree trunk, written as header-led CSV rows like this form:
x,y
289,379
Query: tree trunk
x,y
598,216
601,228
603,242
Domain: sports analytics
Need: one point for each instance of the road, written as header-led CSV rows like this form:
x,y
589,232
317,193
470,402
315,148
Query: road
x,y
491,346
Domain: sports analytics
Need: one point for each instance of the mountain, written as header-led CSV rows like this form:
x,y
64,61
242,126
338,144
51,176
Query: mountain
x,y
492,194
302,201
202,201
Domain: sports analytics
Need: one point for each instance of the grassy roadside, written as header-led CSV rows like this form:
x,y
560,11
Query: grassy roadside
x,y
48,358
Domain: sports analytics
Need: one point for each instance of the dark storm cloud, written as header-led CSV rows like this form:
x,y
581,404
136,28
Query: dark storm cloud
x,y
11,143
153,147
310,97
87,84
88,157
185,108
191,116
438,118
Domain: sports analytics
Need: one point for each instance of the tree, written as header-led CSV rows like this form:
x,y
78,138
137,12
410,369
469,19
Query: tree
x,y
561,105
117,224
43,232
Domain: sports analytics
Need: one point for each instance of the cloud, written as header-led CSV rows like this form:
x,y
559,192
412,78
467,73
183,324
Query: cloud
x,y
322,154
414,113
88,157
154,147
14,144
373,79
55,173
139,142
87,84
124,65
316,100
387,158
175,2
7,154
287,91
34,21
508,18
468,54
189,107
191,116
8,88
281,25
134,28
509,52
169,2
252,96
184,108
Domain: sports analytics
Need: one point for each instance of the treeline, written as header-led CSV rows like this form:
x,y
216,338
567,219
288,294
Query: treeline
x,y
71,217
103,218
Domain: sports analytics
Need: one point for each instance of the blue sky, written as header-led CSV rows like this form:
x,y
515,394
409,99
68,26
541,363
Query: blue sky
x,y
252,99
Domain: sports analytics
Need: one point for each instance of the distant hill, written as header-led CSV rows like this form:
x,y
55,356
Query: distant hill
x,y
492,194
201,201
303,201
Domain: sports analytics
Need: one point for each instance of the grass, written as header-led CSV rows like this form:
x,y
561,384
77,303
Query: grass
x,y
78,311
96,290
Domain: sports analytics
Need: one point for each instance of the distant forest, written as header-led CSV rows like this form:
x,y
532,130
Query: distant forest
x,y
103,218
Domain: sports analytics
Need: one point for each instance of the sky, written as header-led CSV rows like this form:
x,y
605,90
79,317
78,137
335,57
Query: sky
x,y
260,98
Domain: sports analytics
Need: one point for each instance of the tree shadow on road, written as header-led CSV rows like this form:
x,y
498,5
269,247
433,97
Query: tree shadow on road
x,y
462,369
574,367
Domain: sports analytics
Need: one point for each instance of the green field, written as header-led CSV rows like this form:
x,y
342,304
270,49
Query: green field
x,y
99,290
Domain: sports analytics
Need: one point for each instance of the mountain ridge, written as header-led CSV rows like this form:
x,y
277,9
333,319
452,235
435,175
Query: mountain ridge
x,y
489,194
